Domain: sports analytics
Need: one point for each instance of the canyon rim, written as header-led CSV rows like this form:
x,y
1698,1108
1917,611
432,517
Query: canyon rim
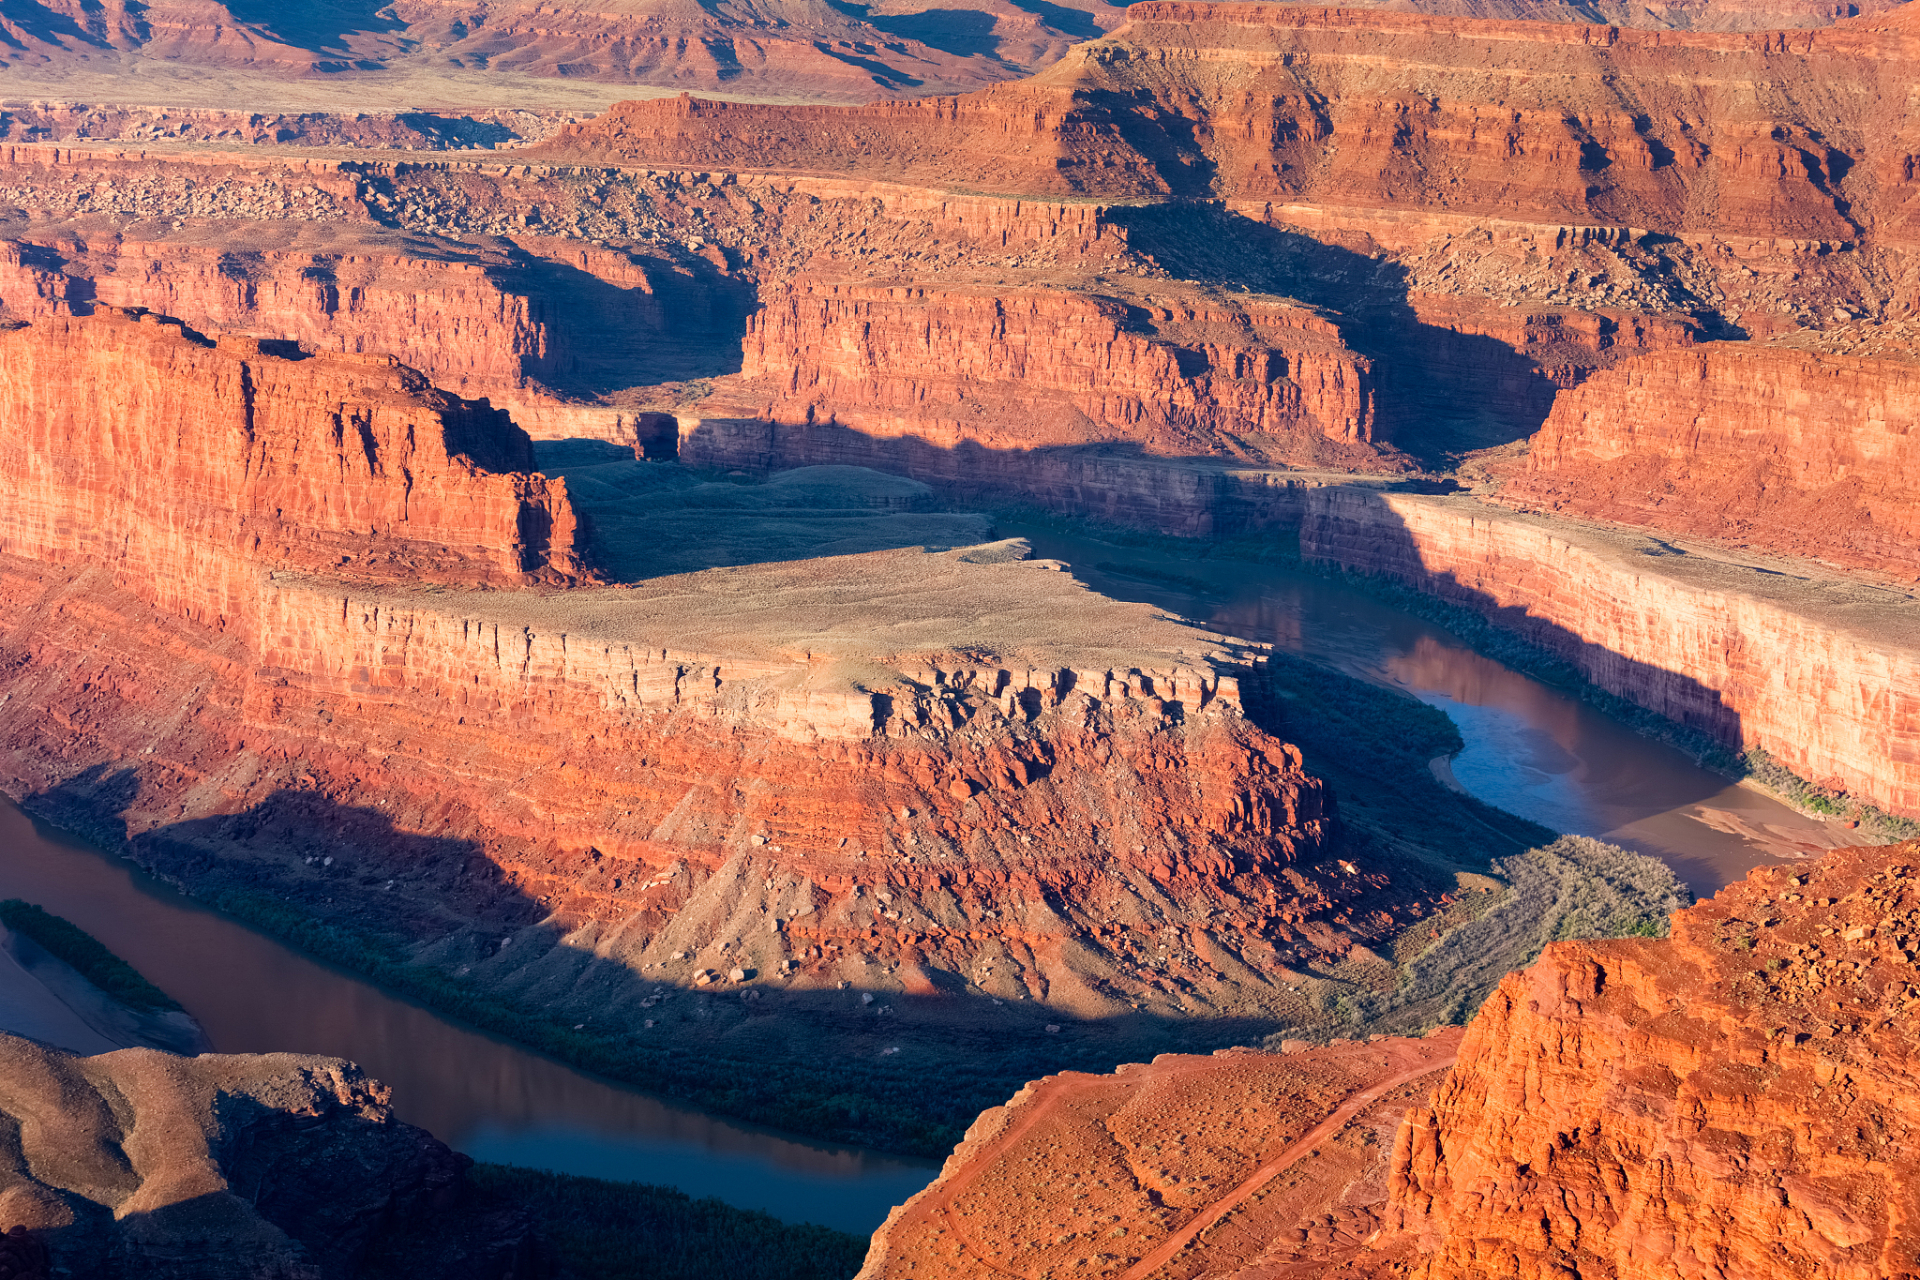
x,y
1287,634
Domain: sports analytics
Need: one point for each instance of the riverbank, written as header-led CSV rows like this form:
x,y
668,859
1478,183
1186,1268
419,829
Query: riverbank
x,y
62,988
1509,636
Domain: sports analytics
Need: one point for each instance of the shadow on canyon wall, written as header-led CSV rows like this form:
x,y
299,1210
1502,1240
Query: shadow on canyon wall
x,y
320,25
1367,537
1121,485
430,918
686,322
651,519
1114,483
1440,392
964,33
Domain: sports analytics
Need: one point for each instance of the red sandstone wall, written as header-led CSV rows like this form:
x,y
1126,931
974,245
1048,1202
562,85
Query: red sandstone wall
x,y
451,320
1825,679
1364,111
1008,139
187,467
1028,368
1782,450
1734,1101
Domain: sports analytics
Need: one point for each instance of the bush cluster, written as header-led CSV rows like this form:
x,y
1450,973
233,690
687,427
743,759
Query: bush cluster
x,y
85,954
599,1230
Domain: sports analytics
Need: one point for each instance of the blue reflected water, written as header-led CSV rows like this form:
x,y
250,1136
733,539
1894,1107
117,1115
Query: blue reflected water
x,y
1531,749
482,1095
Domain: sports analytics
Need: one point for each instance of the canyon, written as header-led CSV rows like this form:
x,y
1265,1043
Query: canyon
x,y
309,646
1722,1101
554,562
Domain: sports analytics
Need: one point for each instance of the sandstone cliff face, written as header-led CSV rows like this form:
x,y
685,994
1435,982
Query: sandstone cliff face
x,y
1017,139
1175,375
527,324
189,467
1825,677
223,1167
1782,450
1369,111
1731,1101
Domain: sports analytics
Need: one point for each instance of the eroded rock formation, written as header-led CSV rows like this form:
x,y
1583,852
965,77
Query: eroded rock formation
x,y
1787,451
935,780
269,1167
1177,376
1152,110
191,467
1728,1101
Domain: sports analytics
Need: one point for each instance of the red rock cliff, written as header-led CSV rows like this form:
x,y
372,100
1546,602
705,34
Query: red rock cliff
x,y
187,466
1825,676
1783,450
1019,369
1363,110
1733,1101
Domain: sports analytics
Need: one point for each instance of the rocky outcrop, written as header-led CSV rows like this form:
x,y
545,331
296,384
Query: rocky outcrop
x,y
1728,1101
1763,446
1174,375
1119,1174
191,467
45,121
1823,675
264,1167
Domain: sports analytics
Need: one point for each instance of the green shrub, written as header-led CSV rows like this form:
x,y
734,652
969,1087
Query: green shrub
x,y
624,1231
79,949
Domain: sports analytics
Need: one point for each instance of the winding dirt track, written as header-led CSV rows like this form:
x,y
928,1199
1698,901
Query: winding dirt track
x,y
1172,1245
1038,1112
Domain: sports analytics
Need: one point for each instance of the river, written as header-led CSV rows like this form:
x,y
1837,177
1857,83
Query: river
x,y
1530,749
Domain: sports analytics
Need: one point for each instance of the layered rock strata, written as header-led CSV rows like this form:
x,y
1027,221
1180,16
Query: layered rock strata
x,y
935,781
1026,369
1765,446
773,47
190,467
1823,674
537,324
1307,119
45,121
1727,1101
